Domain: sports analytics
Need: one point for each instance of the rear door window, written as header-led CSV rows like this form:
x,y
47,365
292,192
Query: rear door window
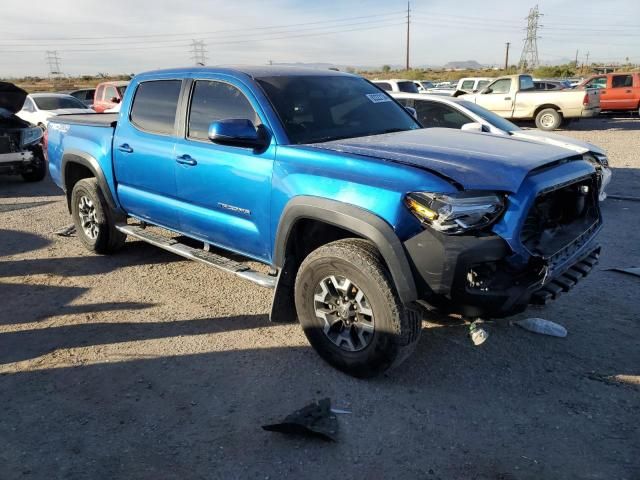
x,y
621,81
154,106
212,101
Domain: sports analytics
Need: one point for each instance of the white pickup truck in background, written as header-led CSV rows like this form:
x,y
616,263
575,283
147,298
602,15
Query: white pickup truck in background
x,y
514,97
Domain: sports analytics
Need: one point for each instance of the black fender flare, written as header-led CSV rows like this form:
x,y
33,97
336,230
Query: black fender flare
x,y
86,160
354,219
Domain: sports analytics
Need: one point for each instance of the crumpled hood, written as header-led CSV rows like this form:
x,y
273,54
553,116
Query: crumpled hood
x,y
474,160
577,146
11,97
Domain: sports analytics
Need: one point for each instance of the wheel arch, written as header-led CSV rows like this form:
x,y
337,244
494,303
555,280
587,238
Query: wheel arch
x,y
76,165
545,106
349,218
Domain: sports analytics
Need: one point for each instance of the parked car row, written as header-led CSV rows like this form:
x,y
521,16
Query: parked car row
x,y
613,92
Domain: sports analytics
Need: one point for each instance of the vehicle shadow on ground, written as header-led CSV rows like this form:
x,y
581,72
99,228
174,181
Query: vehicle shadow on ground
x,y
15,187
188,416
14,242
26,344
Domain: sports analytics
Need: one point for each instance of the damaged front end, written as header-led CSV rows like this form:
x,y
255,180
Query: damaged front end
x,y
543,244
20,149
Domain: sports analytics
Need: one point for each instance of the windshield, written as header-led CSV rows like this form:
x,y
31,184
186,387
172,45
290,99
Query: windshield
x,y
324,108
492,118
57,102
121,90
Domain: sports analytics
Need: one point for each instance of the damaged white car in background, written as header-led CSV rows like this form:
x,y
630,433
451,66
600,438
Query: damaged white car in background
x,y
20,141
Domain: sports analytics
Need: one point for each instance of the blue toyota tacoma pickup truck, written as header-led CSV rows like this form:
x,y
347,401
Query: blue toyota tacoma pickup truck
x,y
366,220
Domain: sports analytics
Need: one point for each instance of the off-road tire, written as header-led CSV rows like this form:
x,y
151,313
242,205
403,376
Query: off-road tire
x,y
397,328
548,119
108,239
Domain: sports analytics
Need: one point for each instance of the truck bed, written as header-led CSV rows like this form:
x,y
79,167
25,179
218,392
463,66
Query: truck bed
x,y
94,119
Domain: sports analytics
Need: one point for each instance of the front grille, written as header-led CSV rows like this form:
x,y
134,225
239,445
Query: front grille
x,y
562,216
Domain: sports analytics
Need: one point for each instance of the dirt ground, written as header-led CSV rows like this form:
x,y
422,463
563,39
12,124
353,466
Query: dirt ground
x,y
142,365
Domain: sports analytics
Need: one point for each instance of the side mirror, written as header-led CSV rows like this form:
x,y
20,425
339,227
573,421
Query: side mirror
x,y
472,127
236,133
412,111
487,90
115,100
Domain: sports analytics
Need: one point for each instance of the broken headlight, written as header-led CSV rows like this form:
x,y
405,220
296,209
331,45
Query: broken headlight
x,y
454,213
31,135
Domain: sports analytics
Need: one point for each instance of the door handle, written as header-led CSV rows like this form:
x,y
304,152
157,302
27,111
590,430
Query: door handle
x,y
125,148
628,91
186,160
507,98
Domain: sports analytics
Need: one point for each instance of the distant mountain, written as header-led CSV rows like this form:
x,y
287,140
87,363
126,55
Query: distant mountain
x,y
466,65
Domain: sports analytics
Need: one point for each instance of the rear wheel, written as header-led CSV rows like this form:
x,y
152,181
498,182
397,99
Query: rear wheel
x,y
350,312
94,220
548,119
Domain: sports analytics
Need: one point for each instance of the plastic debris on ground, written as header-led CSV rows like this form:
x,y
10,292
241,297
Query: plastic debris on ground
x,y
314,420
478,334
66,231
542,326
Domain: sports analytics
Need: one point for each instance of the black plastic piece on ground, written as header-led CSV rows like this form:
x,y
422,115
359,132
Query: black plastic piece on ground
x,y
314,420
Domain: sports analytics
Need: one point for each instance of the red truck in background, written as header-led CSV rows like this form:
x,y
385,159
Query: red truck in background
x,y
618,91
108,95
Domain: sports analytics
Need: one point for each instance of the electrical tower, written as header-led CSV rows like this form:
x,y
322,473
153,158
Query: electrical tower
x,y
53,60
199,52
529,58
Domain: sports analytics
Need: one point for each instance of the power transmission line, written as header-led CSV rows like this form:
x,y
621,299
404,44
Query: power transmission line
x,y
199,52
53,61
182,45
529,58
242,31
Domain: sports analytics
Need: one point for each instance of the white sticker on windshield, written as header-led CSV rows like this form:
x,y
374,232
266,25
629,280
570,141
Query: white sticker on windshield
x,y
378,97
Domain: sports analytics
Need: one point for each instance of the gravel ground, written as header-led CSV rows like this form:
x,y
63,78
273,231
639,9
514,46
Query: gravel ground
x,y
142,365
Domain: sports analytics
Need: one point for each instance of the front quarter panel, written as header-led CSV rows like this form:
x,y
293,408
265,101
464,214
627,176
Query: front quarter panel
x,y
373,185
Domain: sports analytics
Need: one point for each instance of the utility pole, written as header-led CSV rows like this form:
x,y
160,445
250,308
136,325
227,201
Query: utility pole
x,y
199,52
577,51
587,59
408,23
529,58
506,57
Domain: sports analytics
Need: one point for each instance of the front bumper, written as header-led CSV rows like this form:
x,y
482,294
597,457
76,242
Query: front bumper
x,y
16,162
472,275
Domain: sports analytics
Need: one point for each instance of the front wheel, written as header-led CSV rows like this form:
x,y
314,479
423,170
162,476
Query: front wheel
x,y
548,119
350,312
94,221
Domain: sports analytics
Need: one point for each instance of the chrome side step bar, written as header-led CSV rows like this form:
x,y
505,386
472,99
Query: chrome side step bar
x,y
199,255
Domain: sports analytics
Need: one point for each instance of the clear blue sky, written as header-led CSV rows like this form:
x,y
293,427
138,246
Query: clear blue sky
x,y
118,36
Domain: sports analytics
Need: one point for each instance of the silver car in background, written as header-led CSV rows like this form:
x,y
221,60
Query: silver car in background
x,y
451,112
